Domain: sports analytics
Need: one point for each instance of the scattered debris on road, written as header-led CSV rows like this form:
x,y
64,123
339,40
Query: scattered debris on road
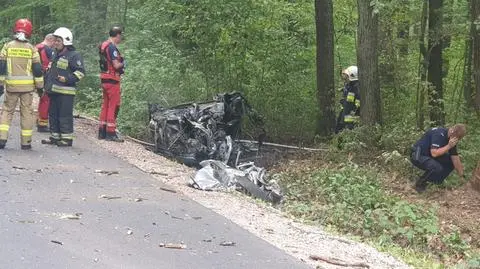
x,y
338,262
167,189
19,168
158,173
109,197
173,246
227,244
108,173
75,216
129,231
56,242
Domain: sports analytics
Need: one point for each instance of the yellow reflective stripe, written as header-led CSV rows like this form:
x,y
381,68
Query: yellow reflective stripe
x,y
4,128
350,119
19,53
357,103
9,65
68,136
19,82
29,67
55,135
39,79
350,97
63,89
2,78
79,74
27,132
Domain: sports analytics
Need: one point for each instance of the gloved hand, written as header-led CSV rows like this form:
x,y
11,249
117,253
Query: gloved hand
x,y
2,90
40,92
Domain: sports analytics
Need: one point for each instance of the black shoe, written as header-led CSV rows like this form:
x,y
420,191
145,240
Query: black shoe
x,y
43,129
3,143
64,143
26,147
102,133
49,141
421,185
114,138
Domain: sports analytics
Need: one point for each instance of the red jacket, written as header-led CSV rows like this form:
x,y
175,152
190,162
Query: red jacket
x,y
43,56
111,73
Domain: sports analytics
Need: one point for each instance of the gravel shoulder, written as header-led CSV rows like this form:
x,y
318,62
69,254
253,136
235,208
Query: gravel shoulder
x,y
295,238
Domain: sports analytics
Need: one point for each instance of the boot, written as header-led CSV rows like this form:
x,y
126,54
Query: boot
x,y
3,143
50,141
102,132
43,129
26,147
421,184
114,137
64,143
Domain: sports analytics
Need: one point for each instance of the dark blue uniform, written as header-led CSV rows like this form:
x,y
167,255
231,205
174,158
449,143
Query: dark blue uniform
x,y
349,116
436,169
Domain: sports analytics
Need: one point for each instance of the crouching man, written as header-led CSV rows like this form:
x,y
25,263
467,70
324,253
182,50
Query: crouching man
x,y
436,154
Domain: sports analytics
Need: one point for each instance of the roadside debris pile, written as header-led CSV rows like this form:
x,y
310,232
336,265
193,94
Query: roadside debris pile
x,y
247,178
205,135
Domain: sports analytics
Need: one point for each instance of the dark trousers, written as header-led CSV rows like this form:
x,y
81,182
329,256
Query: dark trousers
x,y
61,116
435,171
341,124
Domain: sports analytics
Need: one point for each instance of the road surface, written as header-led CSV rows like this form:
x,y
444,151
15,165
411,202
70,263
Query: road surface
x,y
58,211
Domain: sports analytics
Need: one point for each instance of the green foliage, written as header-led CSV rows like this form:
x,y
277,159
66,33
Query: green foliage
x,y
353,201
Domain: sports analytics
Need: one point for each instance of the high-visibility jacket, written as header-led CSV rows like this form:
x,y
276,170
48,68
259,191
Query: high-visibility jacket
x,y
108,72
68,64
20,68
351,102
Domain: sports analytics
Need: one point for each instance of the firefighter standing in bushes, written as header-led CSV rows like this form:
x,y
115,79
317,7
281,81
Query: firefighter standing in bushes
x,y
66,70
112,67
350,114
46,54
20,74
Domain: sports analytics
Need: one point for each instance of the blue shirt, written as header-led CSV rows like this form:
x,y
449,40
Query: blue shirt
x,y
113,52
433,139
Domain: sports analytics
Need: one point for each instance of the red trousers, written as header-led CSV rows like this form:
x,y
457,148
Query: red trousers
x,y
110,106
43,105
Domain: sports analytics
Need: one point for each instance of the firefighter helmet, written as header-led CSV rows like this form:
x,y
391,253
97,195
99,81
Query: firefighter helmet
x,y
351,73
65,34
23,26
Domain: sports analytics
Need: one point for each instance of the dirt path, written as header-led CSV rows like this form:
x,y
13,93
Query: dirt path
x,y
299,240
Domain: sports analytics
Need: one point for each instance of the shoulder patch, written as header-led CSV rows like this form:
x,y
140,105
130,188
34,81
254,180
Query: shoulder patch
x,y
115,53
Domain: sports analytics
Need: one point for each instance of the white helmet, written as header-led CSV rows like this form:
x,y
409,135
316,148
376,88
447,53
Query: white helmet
x,y
351,73
65,34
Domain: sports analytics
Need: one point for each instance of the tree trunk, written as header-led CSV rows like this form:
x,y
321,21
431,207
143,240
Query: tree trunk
x,y
476,52
367,57
325,67
423,69
467,68
435,65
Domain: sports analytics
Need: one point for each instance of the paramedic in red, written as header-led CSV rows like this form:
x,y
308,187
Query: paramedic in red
x,y
45,49
112,67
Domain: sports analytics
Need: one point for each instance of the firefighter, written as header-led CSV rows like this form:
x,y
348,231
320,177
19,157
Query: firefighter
x,y
112,67
45,49
436,154
20,74
349,116
66,70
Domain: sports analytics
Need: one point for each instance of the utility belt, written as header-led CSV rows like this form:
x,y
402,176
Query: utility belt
x,y
109,81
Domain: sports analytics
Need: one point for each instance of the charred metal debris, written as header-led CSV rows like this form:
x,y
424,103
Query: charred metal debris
x,y
205,135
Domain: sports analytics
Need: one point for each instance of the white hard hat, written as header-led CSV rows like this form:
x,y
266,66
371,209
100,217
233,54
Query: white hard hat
x,y
65,34
351,72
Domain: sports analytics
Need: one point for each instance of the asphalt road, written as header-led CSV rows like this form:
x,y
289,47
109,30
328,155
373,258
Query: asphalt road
x,y
122,218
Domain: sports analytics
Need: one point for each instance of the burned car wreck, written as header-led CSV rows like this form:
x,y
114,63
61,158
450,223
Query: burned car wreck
x,y
205,135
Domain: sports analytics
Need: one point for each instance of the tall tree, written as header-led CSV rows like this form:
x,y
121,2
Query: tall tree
x,y
435,63
325,67
476,51
367,57
423,68
468,55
